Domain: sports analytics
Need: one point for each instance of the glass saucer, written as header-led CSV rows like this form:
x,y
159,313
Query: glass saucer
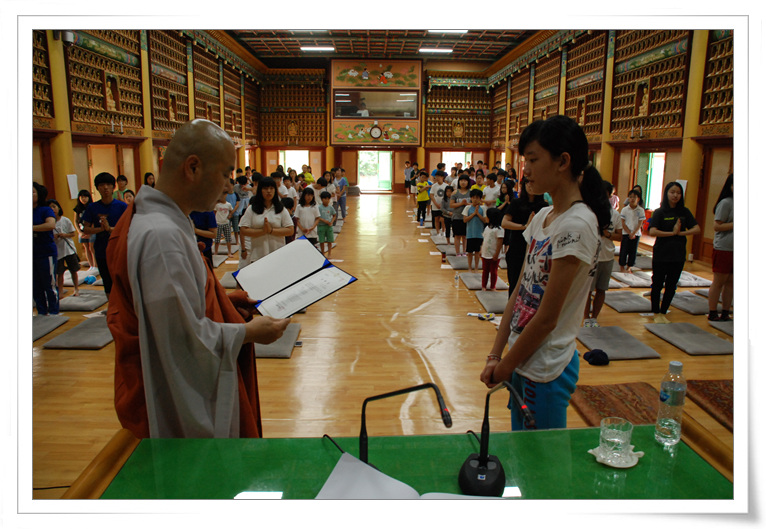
x,y
623,462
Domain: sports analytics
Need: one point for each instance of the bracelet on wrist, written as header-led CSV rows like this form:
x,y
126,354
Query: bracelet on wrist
x,y
494,357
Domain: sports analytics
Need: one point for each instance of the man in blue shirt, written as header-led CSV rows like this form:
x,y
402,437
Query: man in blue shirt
x,y
100,218
44,253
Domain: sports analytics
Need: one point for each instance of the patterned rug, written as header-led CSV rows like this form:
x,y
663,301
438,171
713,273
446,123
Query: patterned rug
x,y
635,401
715,397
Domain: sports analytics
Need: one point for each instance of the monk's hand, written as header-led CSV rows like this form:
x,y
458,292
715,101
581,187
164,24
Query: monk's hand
x,y
244,304
265,329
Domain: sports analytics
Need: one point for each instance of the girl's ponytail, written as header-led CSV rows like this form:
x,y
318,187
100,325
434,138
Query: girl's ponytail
x,y
594,195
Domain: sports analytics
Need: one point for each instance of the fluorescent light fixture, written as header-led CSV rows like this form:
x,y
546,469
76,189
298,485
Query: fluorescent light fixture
x,y
317,48
343,101
405,100
448,31
346,95
435,50
412,94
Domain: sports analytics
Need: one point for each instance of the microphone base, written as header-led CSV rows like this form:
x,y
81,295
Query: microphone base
x,y
476,480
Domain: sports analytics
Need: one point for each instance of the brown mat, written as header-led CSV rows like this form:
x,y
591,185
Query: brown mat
x,y
635,401
716,397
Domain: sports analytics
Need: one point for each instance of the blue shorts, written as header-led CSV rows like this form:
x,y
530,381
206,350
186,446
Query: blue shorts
x,y
547,401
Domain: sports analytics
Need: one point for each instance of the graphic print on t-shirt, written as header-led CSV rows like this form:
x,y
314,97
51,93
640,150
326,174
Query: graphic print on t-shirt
x,y
536,273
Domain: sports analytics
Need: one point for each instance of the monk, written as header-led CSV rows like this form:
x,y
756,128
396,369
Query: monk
x,y
185,364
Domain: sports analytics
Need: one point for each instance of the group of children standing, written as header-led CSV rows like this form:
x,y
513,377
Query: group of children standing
x,y
469,213
262,214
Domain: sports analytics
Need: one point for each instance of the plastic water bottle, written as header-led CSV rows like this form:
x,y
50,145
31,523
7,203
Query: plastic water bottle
x,y
457,280
667,431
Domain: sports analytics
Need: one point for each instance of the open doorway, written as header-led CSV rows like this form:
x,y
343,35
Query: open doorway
x,y
650,173
452,158
293,160
375,170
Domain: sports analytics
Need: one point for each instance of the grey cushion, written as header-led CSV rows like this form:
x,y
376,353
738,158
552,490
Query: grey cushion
x,y
723,326
222,248
81,275
42,325
282,348
439,239
228,281
625,301
461,263
336,229
218,260
92,333
616,342
690,302
493,301
613,283
688,279
87,301
472,281
448,249
636,279
644,262
353,191
690,338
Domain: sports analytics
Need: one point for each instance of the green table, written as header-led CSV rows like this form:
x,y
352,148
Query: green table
x,y
552,464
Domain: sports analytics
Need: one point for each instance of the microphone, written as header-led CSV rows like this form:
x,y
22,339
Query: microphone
x,y
446,417
483,474
529,419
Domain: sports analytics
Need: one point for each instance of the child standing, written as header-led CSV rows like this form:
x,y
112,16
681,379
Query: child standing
x,y
447,212
475,219
67,255
307,215
490,248
223,213
458,202
633,217
326,219
290,205
437,197
423,199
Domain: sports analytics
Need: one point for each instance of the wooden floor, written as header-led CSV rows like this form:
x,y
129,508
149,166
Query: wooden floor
x,y
402,323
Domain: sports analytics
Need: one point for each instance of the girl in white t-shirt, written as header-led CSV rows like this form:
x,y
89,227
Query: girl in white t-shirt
x,y
307,215
544,312
491,247
265,224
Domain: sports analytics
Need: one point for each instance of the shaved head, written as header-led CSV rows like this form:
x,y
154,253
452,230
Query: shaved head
x,y
197,165
200,137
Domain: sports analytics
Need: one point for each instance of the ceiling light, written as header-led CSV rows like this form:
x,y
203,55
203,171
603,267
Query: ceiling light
x,y
404,95
435,50
343,101
405,100
346,95
317,48
448,31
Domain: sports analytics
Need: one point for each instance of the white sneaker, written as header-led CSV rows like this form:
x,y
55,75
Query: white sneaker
x,y
588,322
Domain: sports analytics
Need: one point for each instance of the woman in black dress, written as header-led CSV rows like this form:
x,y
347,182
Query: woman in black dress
x,y
516,217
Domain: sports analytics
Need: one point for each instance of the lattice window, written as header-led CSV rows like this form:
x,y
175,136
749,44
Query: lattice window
x,y
586,65
207,103
458,115
42,95
718,88
546,90
169,80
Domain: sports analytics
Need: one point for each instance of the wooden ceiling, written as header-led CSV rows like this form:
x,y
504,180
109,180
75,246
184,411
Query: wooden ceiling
x,y
282,48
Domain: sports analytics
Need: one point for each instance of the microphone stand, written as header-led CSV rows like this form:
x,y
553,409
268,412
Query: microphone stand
x,y
363,433
483,474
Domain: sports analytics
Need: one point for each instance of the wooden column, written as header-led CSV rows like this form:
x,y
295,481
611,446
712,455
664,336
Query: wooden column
x,y
62,159
692,151
607,151
145,150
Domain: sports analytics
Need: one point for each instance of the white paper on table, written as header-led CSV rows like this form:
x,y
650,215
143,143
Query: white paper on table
x,y
351,479
302,294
